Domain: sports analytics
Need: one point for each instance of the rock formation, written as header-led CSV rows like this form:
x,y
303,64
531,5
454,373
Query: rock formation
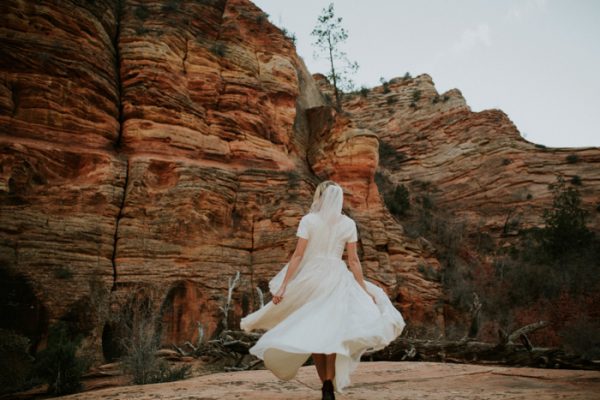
x,y
154,148
475,165
159,147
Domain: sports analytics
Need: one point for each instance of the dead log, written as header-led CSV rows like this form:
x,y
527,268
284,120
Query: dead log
x,y
232,347
510,354
526,342
526,329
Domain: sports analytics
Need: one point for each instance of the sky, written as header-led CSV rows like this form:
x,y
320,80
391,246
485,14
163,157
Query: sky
x,y
536,60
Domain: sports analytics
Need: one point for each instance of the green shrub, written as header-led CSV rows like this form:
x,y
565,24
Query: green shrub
x,y
565,229
63,273
141,30
58,364
426,201
429,272
142,12
171,5
531,281
364,91
388,155
398,202
16,364
576,180
457,283
582,337
382,181
563,255
386,150
289,35
416,96
218,49
572,158
485,242
385,84
407,76
261,18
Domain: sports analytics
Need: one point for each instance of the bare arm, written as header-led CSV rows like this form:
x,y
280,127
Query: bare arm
x,y
355,267
354,264
292,267
295,260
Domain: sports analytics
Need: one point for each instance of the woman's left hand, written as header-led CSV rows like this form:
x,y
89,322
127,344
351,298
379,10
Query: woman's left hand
x,y
279,295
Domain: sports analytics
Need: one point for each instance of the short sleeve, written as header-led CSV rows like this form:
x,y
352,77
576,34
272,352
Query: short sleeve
x,y
353,233
303,228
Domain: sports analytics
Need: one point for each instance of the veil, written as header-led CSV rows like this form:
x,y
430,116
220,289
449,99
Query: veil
x,y
329,205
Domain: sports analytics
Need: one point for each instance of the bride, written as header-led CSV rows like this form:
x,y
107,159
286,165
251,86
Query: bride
x,y
320,308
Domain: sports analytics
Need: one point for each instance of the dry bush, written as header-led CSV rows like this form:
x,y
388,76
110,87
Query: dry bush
x,y
139,325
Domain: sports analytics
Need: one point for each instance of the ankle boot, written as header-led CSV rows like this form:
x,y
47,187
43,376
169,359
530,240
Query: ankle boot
x,y
327,390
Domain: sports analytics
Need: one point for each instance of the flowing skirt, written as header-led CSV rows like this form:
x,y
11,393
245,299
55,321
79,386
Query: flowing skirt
x,y
323,310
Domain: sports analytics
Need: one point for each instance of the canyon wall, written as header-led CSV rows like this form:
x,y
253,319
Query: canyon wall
x,y
475,186
475,165
153,149
150,150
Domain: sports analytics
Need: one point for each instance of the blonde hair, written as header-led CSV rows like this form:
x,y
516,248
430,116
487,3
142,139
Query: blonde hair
x,y
319,191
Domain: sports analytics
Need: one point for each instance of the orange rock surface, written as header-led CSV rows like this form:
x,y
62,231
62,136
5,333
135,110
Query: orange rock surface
x,y
474,164
155,148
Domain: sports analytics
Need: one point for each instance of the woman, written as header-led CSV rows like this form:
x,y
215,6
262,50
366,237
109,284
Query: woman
x,y
319,307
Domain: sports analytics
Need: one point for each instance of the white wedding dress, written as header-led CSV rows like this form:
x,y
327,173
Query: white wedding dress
x,y
324,309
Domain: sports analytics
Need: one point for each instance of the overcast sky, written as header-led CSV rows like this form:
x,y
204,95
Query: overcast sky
x,y
537,60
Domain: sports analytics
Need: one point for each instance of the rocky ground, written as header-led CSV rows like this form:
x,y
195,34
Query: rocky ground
x,y
377,380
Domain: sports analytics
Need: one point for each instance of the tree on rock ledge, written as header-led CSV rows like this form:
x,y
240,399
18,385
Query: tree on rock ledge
x,y
329,35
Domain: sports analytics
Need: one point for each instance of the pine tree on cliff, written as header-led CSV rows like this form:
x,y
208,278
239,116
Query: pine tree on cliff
x,y
329,35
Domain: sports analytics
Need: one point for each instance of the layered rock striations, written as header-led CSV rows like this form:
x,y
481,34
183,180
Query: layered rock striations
x,y
475,185
475,165
151,150
342,151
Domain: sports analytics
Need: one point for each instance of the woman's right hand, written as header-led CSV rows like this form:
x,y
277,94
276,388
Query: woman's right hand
x,y
279,295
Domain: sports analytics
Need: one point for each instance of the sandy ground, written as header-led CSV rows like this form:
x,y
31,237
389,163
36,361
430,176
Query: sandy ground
x,y
376,380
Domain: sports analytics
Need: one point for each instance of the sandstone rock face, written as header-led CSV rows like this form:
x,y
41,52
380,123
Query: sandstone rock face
x,y
476,170
61,184
341,151
473,164
153,150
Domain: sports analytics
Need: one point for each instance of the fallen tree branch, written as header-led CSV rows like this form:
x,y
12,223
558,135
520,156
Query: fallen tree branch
x,y
526,329
510,354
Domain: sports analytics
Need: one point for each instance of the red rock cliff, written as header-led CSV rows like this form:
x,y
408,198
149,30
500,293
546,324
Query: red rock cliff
x,y
156,148
152,149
